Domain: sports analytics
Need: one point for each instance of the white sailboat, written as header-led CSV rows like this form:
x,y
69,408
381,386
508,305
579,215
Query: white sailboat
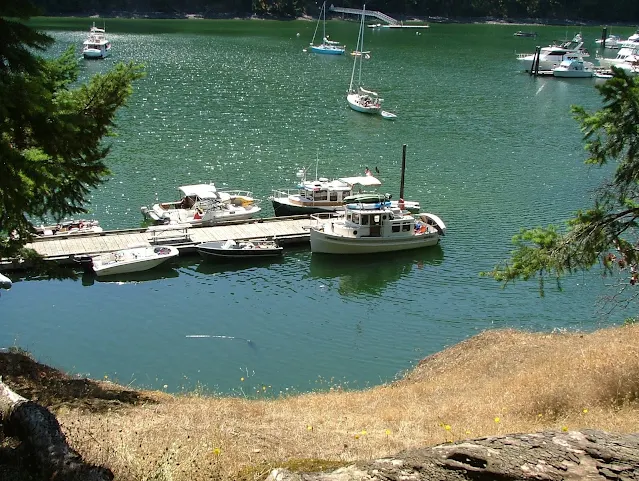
x,y
359,98
328,47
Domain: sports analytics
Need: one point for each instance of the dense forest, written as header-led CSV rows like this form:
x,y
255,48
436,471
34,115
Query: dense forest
x,y
624,11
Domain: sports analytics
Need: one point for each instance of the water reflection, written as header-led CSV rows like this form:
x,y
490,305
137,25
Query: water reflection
x,y
157,273
232,265
370,275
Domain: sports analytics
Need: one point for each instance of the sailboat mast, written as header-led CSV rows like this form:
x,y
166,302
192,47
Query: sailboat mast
x,y
361,43
324,36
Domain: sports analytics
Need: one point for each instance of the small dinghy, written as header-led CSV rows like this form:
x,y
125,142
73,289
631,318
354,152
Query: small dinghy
x,y
388,115
231,249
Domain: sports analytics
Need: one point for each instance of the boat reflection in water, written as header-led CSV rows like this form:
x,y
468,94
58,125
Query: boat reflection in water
x,y
222,265
155,274
370,275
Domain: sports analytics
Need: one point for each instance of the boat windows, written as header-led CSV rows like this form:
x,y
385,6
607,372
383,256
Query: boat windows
x,y
320,195
333,196
406,227
365,220
396,227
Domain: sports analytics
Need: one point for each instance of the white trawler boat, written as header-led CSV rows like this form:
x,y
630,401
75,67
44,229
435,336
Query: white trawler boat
x,y
373,228
203,204
96,45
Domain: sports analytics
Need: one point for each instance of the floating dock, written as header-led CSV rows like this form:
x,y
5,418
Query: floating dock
x,y
62,248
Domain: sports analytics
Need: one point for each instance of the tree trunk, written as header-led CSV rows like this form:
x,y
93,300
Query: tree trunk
x,y
39,431
552,456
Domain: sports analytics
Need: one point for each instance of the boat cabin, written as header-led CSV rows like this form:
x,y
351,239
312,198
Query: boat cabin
x,y
322,192
380,220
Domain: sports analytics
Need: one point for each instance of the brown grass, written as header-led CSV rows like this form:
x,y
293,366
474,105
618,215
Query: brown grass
x,y
495,383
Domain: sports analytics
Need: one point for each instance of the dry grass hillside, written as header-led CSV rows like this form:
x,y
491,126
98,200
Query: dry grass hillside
x,y
498,382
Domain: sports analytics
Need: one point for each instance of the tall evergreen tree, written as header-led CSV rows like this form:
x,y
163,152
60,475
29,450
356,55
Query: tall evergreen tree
x,y
51,130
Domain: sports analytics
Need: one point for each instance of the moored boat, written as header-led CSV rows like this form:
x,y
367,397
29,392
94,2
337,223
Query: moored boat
x,y
574,68
82,226
5,282
203,204
135,259
373,228
96,45
231,249
327,47
552,55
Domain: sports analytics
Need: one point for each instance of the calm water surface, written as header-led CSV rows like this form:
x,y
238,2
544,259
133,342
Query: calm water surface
x,y
489,149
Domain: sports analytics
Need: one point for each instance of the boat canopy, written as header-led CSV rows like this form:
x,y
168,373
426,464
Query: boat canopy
x,y
203,191
366,180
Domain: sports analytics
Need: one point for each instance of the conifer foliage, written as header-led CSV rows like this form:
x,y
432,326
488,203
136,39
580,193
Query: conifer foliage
x,y
52,149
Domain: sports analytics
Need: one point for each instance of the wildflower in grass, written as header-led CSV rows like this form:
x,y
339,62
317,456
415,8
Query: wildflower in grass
x,y
309,428
388,432
585,411
497,420
564,428
364,433
447,427
356,436
540,415
467,431
217,451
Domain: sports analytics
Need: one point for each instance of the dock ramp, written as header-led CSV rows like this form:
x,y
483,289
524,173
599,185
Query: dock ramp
x,y
369,13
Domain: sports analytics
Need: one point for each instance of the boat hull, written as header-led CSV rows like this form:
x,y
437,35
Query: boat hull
x,y
327,243
133,262
96,54
353,102
327,50
283,209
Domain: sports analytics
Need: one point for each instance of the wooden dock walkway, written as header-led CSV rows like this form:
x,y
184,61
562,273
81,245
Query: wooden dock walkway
x,y
62,248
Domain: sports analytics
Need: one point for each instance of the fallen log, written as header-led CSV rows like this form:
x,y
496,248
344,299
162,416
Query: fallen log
x,y
551,456
39,431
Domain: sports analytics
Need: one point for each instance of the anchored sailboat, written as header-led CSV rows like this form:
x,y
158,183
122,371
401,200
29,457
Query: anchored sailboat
x,y
327,46
359,98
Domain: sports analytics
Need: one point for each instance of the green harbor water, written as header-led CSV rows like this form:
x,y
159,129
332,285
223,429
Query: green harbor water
x,y
239,103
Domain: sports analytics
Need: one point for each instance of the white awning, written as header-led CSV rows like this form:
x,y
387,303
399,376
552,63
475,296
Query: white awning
x,y
367,180
203,191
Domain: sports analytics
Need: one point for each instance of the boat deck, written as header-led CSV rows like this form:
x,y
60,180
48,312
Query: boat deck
x,y
62,248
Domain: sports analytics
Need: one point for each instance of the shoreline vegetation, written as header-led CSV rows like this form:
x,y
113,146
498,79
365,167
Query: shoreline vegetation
x,y
495,383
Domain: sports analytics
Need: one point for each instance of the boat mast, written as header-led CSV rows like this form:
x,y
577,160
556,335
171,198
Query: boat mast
x,y
324,23
361,44
319,19
358,48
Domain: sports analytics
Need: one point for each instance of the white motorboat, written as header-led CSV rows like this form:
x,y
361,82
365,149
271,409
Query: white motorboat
x,y
552,55
574,68
250,249
325,196
612,42
628,51
388,115
67,227
203,204
372,228
5,282
96,45
359,98
328,47
135,259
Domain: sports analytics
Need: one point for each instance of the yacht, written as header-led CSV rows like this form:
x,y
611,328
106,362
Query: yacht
x,y
626,54
574,68
96,45
552,55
